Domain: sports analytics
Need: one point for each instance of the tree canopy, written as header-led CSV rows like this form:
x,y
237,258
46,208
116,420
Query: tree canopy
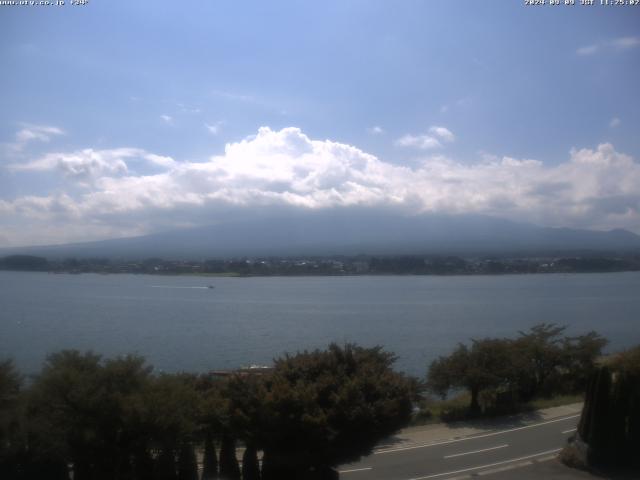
x,y
333,406
116,419
485,364
538,362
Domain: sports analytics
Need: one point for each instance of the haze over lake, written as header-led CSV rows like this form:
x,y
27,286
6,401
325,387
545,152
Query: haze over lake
x,y
180,324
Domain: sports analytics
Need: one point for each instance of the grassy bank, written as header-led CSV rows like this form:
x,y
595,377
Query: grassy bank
x,y
457,408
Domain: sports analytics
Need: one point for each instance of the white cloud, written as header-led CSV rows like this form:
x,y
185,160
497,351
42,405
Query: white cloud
x,y
213,128
272,170
423,142
588,50
375,130
166,119
429,141
442,132
615,121
159,160
30,133
621,43
40,133
625,42
88,165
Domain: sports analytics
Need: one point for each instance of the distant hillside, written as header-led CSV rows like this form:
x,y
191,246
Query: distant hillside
x,y
341,233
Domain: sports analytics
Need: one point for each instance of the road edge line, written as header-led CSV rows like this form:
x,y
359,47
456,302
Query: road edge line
x,y
473,436
526,457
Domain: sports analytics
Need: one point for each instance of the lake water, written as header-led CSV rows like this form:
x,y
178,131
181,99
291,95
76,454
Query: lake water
x,y
180,324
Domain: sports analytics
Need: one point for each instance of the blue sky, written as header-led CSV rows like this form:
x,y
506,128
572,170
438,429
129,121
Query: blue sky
x,y
429,94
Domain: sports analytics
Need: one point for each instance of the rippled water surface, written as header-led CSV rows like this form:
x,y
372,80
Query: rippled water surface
x,y
180,324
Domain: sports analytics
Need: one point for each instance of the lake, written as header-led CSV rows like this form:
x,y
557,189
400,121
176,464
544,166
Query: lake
x,y
180,324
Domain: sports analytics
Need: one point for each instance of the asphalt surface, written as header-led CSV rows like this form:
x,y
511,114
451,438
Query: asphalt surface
x,y
490,453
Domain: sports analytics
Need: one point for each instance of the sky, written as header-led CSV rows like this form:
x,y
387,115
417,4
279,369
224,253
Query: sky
x,y
122,118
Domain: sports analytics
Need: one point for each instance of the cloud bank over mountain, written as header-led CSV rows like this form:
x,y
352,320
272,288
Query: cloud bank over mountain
x,y
129,191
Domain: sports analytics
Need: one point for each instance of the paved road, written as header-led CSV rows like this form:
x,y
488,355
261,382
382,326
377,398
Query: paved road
x,y
481,454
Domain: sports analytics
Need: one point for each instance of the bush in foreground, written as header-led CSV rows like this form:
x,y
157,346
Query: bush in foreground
x,y
327,407
115,419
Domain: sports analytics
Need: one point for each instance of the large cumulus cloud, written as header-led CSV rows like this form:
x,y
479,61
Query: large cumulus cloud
x,y
275,170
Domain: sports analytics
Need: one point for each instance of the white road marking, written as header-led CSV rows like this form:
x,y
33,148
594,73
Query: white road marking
x,y
546,459
570,430
476,451
487,466
446,442
355,470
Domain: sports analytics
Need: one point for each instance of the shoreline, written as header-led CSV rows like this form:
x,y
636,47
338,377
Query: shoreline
x,y
322,275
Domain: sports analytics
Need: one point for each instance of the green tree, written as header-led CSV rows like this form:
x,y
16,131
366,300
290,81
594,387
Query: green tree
x,y
539,362
539,354
209,460
10,384
143,464
244,412
79,409
324,408
229,468
486,364
66,405
216,417
579,359
187,463
12,434
627,361
165,465
250,465
168,411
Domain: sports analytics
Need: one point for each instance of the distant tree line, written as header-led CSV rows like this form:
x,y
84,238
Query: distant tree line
x,y
24,262
338,265
500,373
96,418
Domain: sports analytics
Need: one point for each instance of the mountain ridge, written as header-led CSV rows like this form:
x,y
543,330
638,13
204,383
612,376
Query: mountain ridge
x,y
339,233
